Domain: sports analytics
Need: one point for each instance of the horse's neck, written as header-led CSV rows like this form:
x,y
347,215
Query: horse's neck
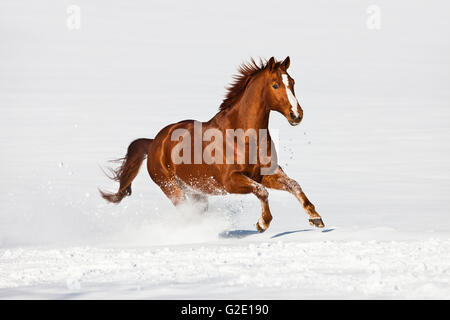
x,y
249,112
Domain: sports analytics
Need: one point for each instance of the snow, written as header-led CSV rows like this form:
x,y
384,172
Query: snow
x,y
372,152
285,269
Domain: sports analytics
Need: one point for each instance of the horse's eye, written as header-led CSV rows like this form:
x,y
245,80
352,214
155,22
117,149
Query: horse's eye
x,y
275,86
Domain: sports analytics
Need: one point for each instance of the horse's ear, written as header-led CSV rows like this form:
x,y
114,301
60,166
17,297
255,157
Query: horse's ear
x,y
271,64
285,64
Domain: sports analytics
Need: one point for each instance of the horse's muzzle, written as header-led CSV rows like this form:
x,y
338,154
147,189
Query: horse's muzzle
x,y
295,120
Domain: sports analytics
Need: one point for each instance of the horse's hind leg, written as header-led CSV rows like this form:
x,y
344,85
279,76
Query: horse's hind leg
x,y
280,181
178,194
173,191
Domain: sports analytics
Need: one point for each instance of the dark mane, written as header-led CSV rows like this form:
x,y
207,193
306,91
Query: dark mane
x,y
246,71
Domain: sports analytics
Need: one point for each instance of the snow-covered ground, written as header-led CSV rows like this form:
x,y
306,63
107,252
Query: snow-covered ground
x,y
289,268
373,151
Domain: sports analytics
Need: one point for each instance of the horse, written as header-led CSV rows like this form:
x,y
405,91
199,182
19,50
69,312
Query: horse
x,y
258,89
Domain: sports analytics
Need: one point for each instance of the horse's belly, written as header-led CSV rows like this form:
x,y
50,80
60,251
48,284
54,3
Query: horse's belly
x,y
200,179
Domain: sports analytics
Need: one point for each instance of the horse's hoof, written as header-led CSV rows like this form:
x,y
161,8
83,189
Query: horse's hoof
x,y
260,226
317,222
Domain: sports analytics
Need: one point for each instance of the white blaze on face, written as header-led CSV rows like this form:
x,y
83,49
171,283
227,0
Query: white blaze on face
x,y
292,99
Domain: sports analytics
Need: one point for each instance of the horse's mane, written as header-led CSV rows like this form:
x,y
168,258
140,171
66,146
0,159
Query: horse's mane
x,y
247,71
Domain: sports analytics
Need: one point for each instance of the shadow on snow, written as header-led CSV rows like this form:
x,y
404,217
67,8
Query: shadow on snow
x,y
239,234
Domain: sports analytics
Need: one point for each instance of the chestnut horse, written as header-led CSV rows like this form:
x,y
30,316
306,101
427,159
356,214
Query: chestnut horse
x,y
258,89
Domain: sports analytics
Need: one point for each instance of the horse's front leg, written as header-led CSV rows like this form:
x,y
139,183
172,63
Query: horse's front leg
x,y
280,181
241,184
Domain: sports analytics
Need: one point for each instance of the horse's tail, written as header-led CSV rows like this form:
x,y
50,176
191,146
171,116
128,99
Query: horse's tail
x,y
128,170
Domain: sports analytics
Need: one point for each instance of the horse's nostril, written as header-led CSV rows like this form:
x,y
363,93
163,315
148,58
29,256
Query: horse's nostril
x,y
294,117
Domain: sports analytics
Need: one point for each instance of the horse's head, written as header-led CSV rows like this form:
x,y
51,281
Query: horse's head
x,y
280,91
